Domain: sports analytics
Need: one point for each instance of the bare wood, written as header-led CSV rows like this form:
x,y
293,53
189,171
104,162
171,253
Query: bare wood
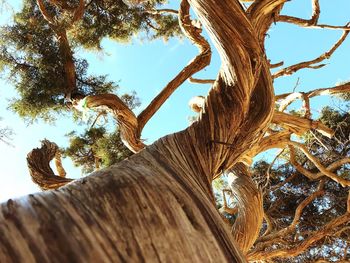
x,y
316,10
299,125
45,13
297,215
250,208
312,22
198,63
38,162
225,208
137,211
276,65
324,171
125,117
344,88
58,163
302,246
306,64
201,81
163,10
262,14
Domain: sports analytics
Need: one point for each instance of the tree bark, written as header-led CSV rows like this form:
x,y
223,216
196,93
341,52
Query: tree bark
x,y
149,208
158,205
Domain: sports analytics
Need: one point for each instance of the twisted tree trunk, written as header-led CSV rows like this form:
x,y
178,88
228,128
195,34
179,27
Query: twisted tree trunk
x,y
158,205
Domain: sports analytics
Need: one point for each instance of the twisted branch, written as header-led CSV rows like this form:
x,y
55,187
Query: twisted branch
x,y
38,162
311,63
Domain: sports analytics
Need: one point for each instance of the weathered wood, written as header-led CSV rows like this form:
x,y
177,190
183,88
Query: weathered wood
x,y
147,209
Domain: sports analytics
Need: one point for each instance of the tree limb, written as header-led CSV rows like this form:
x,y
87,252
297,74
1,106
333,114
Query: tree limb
x,y
201,81
249,200
307,64
38,161
312,22
324,171
197,64
297,215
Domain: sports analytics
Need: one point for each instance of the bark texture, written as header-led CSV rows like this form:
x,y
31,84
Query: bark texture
x,y
158,205
143,210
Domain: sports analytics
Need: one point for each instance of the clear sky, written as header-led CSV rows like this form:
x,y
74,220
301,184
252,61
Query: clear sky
x,y
146,67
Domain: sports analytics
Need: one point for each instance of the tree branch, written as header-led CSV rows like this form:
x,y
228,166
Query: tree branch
x,y
197,64
324,171
38,161
262,14
125,117
304,22
310,63
201,81
312,22
49,18
249,200
302,246
297,215
299,125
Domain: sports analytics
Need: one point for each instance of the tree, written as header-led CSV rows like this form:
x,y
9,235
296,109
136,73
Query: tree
x,y
158,204
304,219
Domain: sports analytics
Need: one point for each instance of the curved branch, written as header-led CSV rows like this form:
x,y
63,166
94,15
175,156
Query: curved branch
x,y
225,208
310,63
125,117
198,63
304,22
299,125
58,163
250,208
301,247
297,215
38,161
312,22
324,171
262,14
49,18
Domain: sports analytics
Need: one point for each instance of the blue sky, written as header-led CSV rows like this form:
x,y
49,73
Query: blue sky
x,y
146,67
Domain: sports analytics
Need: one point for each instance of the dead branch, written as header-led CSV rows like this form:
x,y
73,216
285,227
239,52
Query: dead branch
x,y
161,11
201,81
198,63
299,125
304,22
276,65
125,117
310,63
225,208
250,208
309,23
38,161
324,171
298,212
317,92
58,163
298,248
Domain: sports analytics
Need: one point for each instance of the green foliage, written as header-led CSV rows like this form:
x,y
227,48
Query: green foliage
x,y
116,20
95,146
30,56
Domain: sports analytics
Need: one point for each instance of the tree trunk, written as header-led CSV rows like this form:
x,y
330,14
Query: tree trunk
x,y
158,205
149,208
